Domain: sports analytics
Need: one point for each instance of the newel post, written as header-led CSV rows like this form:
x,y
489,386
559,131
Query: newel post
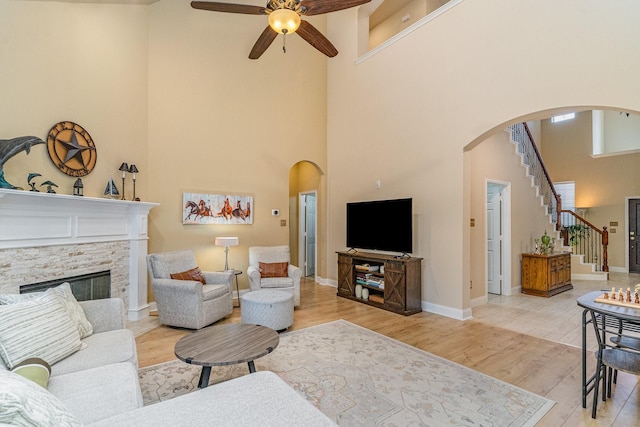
x,y
605,255
559,213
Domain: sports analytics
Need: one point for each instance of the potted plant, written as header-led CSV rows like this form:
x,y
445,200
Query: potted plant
x,y
577,232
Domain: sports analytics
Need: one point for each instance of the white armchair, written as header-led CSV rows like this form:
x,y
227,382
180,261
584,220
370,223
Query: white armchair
x,y
188,303
272,255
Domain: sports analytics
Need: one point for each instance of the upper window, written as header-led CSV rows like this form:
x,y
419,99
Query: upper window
x,y
563,117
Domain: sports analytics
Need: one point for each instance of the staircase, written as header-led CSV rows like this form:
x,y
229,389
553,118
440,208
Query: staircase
x,y
581,269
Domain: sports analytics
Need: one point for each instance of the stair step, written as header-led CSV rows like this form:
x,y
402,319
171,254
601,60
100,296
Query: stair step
x,y
581,270
598,275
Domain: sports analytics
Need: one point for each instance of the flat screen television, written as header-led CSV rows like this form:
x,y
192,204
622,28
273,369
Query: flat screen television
x,y
384,225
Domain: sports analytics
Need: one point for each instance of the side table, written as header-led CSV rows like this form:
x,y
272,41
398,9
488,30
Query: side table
x,y
236,273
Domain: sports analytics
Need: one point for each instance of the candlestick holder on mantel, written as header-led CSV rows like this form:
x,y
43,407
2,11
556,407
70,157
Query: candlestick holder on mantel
x,y
124,168
133,170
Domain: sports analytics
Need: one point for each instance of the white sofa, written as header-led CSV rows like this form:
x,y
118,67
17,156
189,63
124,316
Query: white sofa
x,y
99,385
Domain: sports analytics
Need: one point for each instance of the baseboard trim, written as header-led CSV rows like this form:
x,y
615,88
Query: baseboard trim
x,y
479,301
594,276
443,310
326,282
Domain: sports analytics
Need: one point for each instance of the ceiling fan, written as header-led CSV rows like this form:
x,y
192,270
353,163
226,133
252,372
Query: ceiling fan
x,y
284,18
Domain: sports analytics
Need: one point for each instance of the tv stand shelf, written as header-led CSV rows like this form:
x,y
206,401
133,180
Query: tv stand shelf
x,y
402,277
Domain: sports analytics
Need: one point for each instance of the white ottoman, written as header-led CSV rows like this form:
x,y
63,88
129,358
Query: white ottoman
x,y
267,307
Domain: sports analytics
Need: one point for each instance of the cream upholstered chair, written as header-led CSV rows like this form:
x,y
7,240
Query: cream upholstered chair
x,y
188,303
274,255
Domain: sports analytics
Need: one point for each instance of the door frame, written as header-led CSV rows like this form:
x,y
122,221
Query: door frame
x,y
627,199
302,232
506,237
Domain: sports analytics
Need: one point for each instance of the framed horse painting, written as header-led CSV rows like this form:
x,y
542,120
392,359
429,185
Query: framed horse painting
x,y
198,208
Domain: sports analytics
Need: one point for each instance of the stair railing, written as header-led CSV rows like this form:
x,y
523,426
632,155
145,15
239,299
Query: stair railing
x,y
586,239
531,157
576,231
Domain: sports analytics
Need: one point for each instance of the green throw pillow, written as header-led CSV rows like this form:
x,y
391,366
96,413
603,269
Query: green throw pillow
x,y
34,369
24,403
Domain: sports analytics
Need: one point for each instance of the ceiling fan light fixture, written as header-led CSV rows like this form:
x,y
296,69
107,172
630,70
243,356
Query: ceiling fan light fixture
x,y
284,21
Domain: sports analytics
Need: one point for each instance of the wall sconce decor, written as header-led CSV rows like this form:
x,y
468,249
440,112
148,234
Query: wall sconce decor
x,y
78,188
124,168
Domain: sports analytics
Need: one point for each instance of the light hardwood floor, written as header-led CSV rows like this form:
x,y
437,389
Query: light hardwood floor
x,y
530,342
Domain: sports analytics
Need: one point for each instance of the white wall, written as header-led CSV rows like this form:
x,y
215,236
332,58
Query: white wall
x,y
407,113
621,132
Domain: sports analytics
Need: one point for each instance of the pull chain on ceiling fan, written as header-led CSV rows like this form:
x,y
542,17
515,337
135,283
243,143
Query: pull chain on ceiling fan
x,y
284,18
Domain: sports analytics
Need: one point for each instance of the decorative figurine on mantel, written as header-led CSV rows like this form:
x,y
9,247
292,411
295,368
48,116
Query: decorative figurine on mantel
x,y
50,186
111,190
32,184
78,188
11,147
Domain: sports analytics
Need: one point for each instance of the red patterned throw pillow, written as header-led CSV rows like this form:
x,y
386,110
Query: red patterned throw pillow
x,y
193,274
274,269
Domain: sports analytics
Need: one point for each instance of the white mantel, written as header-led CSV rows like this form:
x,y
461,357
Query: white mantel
x,y
33,219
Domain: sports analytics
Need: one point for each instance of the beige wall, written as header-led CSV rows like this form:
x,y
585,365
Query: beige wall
x,y
495,160
171,89
602,183
221,122
82,63
446,85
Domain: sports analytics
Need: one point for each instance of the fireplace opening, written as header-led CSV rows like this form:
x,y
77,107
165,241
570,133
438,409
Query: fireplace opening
x,y
85,287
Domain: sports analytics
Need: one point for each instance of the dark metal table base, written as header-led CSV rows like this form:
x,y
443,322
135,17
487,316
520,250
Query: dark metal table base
x,y
206,374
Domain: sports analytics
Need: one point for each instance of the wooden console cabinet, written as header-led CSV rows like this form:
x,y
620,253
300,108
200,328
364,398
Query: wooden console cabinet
x,y
402,277
546,275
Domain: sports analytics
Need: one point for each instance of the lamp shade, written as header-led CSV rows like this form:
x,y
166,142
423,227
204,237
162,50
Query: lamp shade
x,y
124,167
284,21
133,169
227,241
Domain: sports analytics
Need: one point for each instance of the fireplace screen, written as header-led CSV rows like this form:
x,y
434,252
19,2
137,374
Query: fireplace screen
x,y
86,287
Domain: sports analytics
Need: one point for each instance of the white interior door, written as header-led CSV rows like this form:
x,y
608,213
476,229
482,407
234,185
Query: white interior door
x,y
307,241
494,239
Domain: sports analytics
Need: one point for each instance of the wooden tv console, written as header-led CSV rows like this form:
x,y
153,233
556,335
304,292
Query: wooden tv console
x,y
402,292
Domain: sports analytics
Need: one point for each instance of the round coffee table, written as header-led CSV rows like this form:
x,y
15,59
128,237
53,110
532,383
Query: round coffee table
x,y
228,344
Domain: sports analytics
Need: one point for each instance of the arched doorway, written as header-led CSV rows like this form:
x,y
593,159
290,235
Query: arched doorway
x,y
304,198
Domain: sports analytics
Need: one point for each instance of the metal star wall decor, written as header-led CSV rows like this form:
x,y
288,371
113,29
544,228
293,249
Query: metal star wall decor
x,y
71,149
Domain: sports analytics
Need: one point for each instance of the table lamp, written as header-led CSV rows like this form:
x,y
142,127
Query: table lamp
x,y
226,242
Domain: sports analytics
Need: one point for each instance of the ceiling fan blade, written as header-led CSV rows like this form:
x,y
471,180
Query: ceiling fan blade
x,y
316,39
317,7
264,41
228,7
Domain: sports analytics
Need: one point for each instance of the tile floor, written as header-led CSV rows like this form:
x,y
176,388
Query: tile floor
x,y
557,318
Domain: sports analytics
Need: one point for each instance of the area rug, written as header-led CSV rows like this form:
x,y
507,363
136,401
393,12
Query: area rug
x,y
358,377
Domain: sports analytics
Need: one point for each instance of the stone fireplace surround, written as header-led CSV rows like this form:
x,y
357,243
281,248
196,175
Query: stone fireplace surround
x,y
50,236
